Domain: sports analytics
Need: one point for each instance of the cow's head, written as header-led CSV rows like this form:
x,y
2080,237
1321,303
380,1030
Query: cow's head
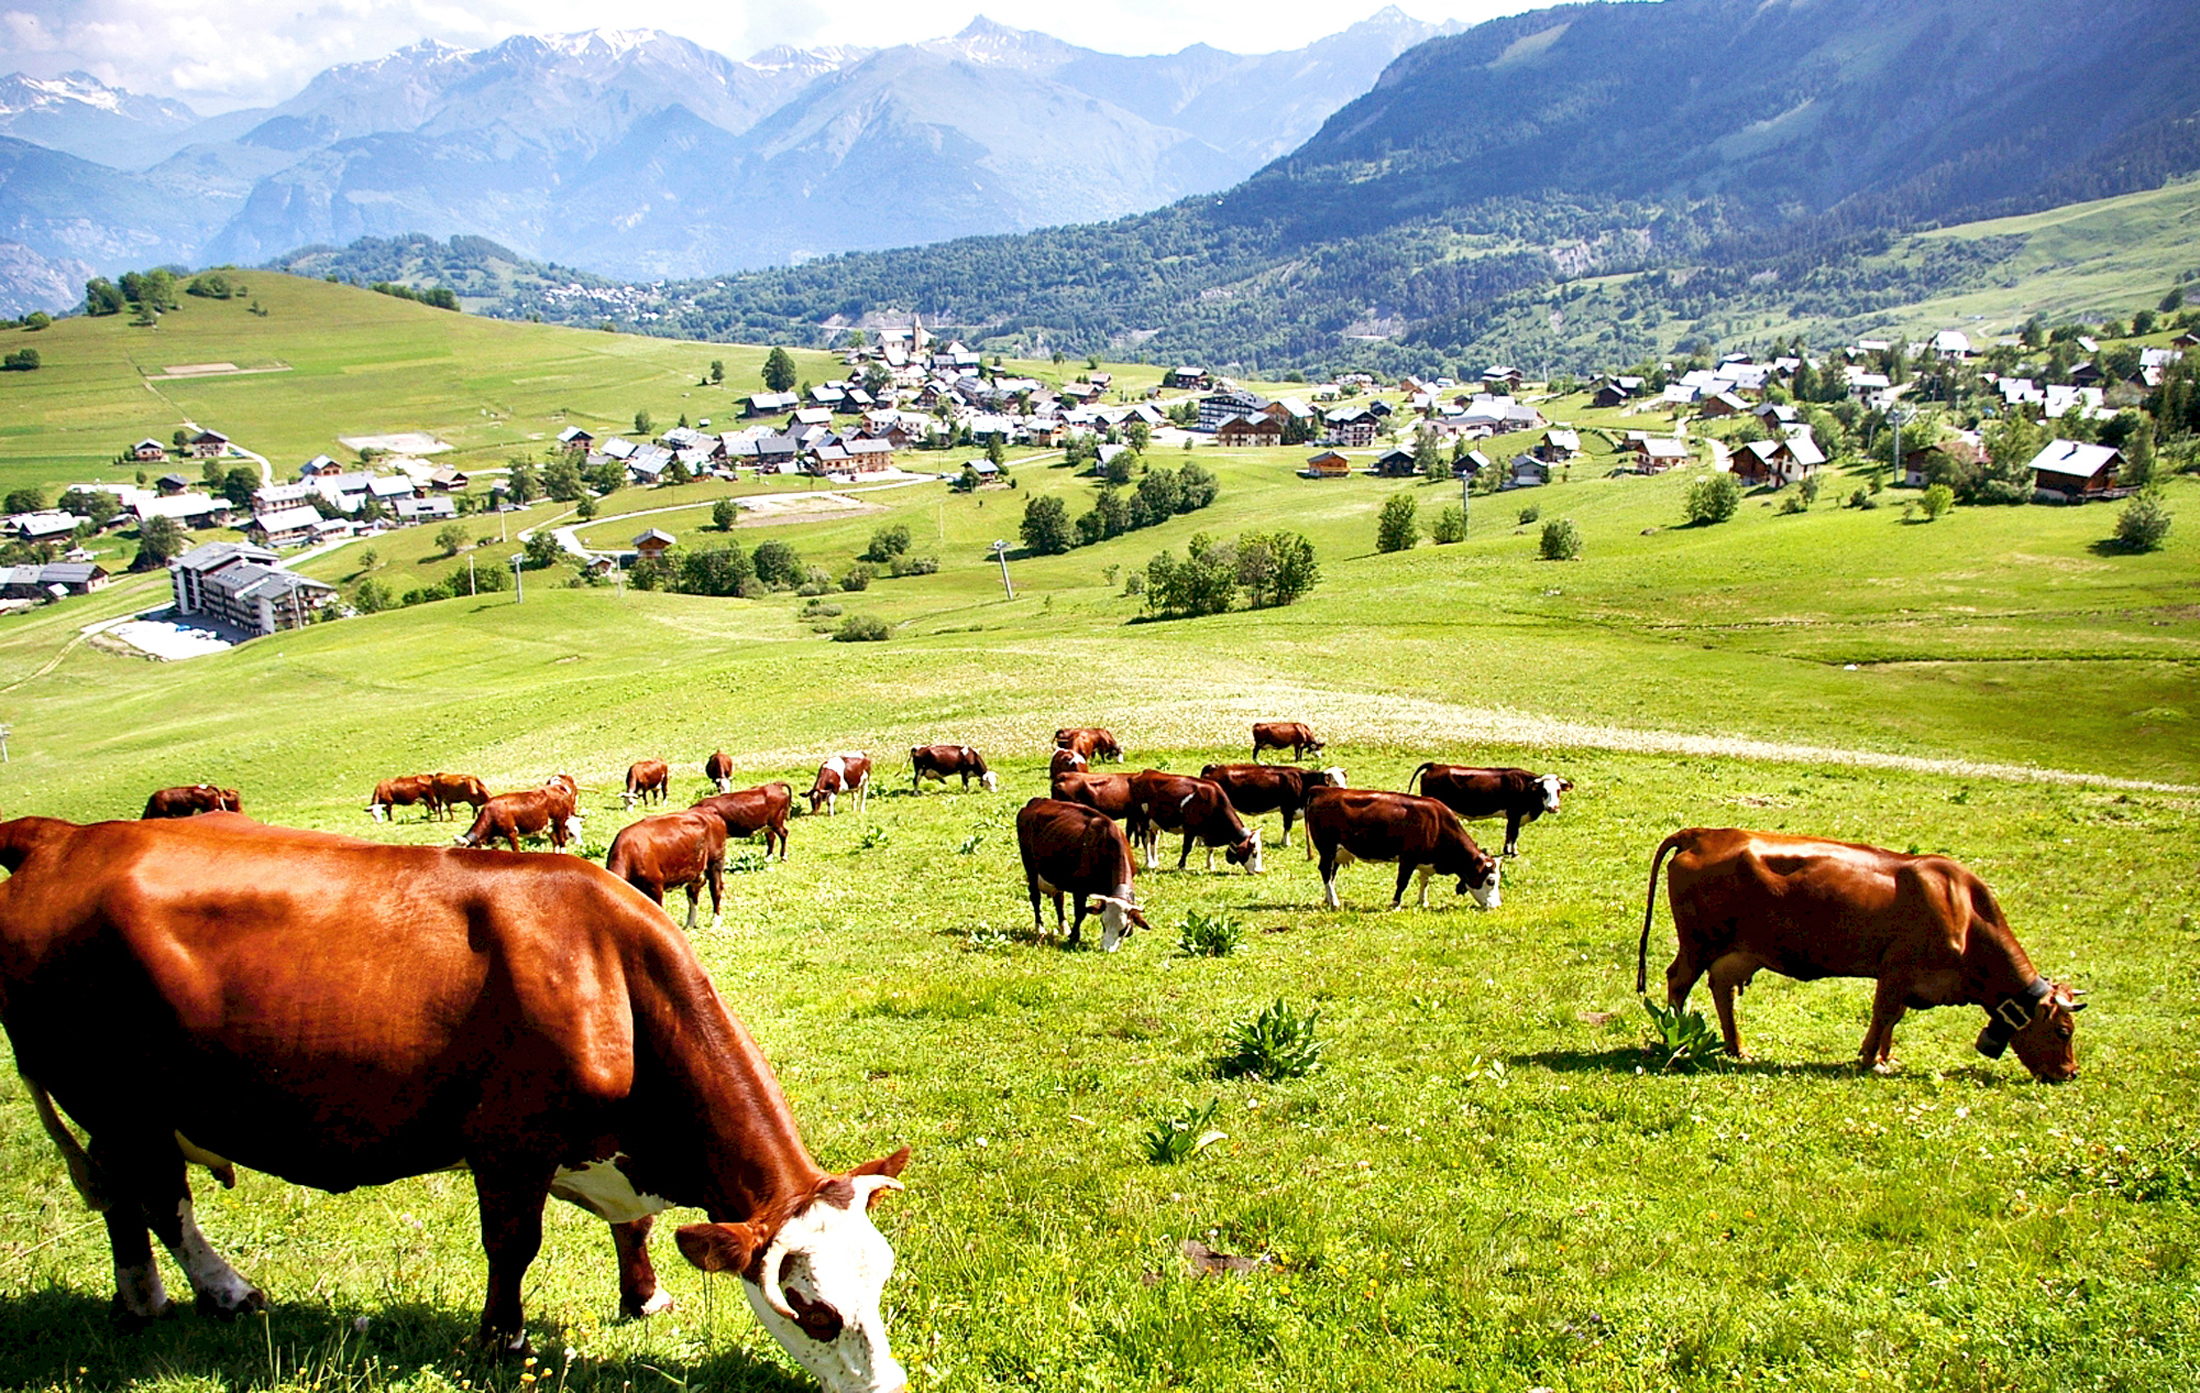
x,y
1552,786
2042,1023
1118,916
815,1283
991,783
627,798
1332,777
1247,852
1480,880
374,810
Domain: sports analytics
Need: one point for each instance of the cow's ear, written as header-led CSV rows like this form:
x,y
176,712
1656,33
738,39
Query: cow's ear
x,y
719,1247
888,1166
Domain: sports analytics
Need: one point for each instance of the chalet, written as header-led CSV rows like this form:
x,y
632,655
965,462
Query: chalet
x,y
652,545
1185,379
1354,427
1678,394
2075,469
246,588
387,488
290,527
771,403
683,438
273,498
2188,339
576,439
620,449
1655,454
2058,399
209,444
1468,465
648,464
1249,430
1526,472
414,511
148,451
1508,378
169,485
1775,415
777,449
1921,466
1616,391
1329,464
448,480
810,416
52,581
1951,344
1396,464
2086,374
1720,404
1558,446
185,509
46,526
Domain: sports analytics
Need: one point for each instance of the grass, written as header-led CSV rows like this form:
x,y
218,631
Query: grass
x,y
1489,1183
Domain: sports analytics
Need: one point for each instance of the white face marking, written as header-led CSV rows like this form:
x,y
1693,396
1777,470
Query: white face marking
x,y
573,827
602,1189
1550,792
988,780
376,810
1487,895
628,799
1335,776
725,785
838,1257
211,1275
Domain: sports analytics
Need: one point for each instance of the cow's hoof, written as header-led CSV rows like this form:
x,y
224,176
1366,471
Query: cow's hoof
x,y
1885,1067
658,1303
504,1346
129,1318
253,1301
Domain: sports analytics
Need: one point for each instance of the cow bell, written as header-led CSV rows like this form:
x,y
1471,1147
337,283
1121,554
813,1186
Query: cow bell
x,y
1991,1045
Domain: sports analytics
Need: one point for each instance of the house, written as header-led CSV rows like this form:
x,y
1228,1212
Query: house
x,y
1559,445
1396,463
289,527
1508,378
319,467
1928,462
1354,427
246,588
45,526
1329,464
169,485
1951,343
1184,379
185,509
1720,404
448,480
1526,472
414,511
272,498
771,403
1468,465
51,581
388,488
1258,429
2076,470
209,444
653,544
148,451
576,439
1616,391
869,456
1656,454
1775,416
1677,394
2188,339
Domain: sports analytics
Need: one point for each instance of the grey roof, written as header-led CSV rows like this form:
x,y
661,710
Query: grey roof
x,y
209,555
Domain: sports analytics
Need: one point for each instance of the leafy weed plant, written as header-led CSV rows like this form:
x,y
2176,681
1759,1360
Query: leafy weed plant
x,y
1276,1043
1684,1038
1205,935
1172,1141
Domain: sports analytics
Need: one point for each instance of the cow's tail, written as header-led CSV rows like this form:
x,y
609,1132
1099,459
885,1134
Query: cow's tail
x,y
1431,764
1650,912
81,1174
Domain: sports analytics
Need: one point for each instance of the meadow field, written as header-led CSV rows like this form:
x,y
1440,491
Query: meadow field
x,y
1488,1183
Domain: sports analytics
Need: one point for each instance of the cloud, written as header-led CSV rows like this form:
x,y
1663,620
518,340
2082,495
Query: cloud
x,y
222,54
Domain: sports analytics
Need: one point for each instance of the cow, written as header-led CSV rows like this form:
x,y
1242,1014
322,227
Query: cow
x,y
263,993
672,850
645,777
1196,807
1073,850
938,762
1280,735
553,808
848,772
1093,742
752,810
1514,794
190,800
403,791
1066,761
1254,789
719,770
454,789
1344,825
1104,793
1926,928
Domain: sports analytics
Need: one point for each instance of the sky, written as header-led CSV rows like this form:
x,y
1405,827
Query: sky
x,y
218,55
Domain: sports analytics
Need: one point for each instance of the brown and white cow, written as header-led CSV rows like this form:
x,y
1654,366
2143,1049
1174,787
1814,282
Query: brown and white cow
x,y
1284,735
942,762
1069,849
1093,742
674,850
1344,825
719,770
752,810
645,777
1105,793
848,772
402,792
189,800
454,789
554,808
1254,789
1066,761
215,987
1199,809
1515,795
1926,928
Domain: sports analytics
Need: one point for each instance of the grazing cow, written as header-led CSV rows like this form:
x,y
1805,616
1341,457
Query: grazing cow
x,y
1344,825
848,772
672,850
938,762
1066,761
553,808
1254,789
1103,793
403,791
752,810
1925,927
1073,850
1093,742
1514,794
342,1013
454,789
1196,807
191,800
644,777
1284,735
719,770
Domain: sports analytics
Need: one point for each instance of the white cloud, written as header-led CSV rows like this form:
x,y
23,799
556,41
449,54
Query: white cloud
x,y
222,54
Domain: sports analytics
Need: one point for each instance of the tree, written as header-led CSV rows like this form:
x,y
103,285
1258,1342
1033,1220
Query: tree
x,y
2138,448
1276,568
585,509
779,370
25,500
994,452
1713,498
2144,522
1399,526
1158,498
967,481
1936,501
542,550
449,538
1137,434
1196,487
21,360
717,371
102,296
1045,527
240,484
675,475
723,570
777,564
372,597
886,544
36,320
1205,582
1561,540
1450,525
644,423
159,541
98,505
561,479
1429,459
724,513
520,485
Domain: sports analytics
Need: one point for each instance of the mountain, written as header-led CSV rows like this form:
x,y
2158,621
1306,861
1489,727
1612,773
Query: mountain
x,y
1616,166
640,153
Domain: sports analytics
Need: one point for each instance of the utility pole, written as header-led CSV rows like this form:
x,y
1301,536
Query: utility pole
x,y
519,583
4,743
1000,553
471,590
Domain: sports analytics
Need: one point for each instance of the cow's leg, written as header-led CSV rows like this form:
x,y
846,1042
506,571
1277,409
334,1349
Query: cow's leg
x,y
511,1235
1285,839
695,895
1887,1009
140,1295
1729,975
220,1290
1512,834
1077,920
716,871
1184,857
639,1296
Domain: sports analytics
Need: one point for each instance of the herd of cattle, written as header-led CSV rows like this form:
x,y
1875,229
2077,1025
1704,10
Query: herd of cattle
x,y
190,988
